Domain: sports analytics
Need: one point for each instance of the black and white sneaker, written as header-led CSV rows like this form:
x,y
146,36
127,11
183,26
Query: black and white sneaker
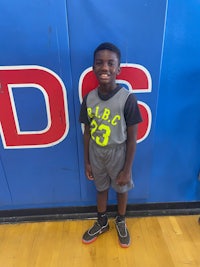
x,y
123,234
92,234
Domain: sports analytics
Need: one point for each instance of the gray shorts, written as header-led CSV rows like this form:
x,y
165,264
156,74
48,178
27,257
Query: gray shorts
x,y
106,164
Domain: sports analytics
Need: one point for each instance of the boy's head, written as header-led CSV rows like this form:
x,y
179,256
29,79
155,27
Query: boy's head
x,y
110,47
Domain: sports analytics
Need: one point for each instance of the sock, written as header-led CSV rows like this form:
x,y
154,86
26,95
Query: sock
x,y
120,218
102,218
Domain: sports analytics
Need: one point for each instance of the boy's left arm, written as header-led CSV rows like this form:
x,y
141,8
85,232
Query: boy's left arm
x,y
124,176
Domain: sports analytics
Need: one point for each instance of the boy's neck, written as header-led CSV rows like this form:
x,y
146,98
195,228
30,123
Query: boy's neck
x,y
107,88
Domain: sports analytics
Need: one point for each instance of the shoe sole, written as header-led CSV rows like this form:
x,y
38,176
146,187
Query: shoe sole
x,y
89,242
124,245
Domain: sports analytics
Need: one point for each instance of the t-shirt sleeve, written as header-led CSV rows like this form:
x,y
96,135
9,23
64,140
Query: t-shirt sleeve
x,y
131,111
83,117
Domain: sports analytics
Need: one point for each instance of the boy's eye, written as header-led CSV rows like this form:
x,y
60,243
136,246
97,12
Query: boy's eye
x,y
111,64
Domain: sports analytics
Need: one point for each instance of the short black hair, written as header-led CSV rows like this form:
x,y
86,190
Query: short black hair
x,y
108,46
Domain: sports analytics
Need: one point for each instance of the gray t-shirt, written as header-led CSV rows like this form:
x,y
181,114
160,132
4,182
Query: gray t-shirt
x,y
110,116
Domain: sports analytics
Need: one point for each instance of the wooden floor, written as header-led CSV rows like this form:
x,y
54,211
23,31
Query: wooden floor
x,y
156,242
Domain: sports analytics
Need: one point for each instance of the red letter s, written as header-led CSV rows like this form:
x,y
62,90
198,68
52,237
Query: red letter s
x,y
137,79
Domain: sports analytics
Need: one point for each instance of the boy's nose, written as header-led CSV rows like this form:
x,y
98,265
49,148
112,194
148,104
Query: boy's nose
x,y
105,66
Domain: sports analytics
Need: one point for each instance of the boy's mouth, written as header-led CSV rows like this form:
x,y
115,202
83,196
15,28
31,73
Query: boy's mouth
x,y
104,76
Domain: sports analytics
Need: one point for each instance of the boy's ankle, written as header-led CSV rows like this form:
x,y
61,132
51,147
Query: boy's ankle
x,y
120,218
102,218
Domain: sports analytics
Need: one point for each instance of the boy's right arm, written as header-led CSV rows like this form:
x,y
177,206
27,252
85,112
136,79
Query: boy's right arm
x,y
88,170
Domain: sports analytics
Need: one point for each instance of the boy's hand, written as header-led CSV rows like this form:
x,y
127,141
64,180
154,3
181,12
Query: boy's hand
x,y
88,172
123,178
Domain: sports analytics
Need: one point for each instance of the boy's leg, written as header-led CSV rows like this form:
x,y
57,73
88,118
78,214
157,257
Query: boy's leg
x,y
101,225
122,203
102,198
122,231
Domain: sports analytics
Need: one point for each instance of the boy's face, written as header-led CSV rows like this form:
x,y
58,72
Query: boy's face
x,y
106,67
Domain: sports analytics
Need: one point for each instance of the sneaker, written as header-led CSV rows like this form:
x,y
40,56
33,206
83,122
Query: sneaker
x,y
92,234
123,234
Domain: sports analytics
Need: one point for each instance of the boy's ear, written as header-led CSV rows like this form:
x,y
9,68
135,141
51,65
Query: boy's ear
x,y
118,71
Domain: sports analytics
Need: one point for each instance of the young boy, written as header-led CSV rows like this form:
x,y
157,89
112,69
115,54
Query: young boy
x,y
110,115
